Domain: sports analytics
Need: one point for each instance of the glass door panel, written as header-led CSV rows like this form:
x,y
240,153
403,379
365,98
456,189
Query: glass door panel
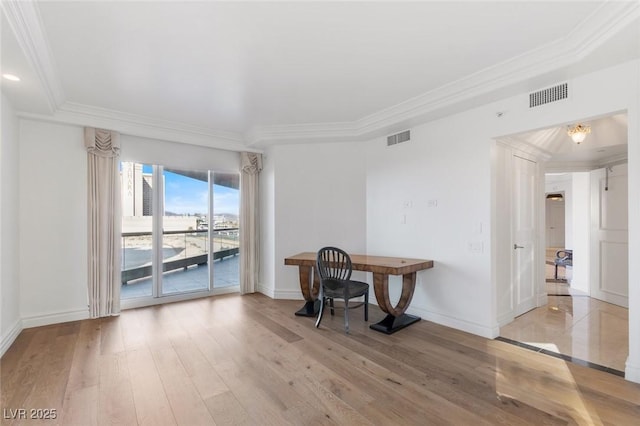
x,y
225,229
137,224
185,239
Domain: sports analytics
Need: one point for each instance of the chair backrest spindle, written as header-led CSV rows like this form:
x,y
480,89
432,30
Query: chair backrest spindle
x,y
334,263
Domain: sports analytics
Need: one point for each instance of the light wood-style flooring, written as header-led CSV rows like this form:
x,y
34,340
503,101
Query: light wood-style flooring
x,y
247,360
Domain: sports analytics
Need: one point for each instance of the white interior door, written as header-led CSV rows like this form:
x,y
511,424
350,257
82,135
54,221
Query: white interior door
x,y
554,219
524,217
609,236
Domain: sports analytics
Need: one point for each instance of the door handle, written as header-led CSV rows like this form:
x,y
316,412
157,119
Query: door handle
x,y
515,246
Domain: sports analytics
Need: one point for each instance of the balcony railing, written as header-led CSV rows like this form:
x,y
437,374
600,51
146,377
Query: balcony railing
x,y
180,249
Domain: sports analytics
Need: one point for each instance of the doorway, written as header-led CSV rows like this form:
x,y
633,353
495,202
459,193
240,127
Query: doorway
x,y
555,220
578,325
180,233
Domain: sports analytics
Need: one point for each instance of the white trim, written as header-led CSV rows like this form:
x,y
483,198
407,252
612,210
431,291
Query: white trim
x,y
470,327
605,22
267,290
505,319
587,37
522,148
542,298
24,19
632,372
288,295
584,166
138,125
55,318
10,337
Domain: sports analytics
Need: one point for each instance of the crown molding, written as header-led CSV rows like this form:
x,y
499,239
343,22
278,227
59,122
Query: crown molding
x,y
138,125
606,21
523,147
24,19
585,166
602,24
296,133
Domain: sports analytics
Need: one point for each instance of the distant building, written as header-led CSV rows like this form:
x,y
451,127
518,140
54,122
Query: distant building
x,y
136,187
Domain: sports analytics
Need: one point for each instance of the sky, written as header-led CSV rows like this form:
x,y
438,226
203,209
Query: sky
x,y
185,195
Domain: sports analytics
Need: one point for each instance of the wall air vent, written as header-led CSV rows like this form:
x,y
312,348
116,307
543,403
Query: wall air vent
x,y
551,94
399,138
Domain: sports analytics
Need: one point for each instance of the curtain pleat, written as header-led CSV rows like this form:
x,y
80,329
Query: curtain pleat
x,y
104,244
251,165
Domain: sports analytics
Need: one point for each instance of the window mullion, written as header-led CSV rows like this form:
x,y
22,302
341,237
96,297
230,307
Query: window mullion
x,y
158,213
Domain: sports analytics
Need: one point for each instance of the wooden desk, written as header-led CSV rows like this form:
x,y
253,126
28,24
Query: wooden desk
x,y
381,267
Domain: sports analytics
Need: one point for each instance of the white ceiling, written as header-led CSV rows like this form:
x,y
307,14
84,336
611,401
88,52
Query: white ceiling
x,y
236,73
605,145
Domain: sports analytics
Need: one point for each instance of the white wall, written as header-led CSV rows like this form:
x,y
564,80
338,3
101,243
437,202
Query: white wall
x,y
318,199
451,161
178,155
53,223
581,229
10,323
430,198
268,263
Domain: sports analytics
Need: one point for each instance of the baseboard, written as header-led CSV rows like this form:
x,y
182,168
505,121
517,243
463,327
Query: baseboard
x,y
266,290
288,295
55,318
632,372
505,319
542,299
10,337
457,323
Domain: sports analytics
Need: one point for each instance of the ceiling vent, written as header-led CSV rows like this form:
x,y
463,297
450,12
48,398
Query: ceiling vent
x,y
399,138
551,94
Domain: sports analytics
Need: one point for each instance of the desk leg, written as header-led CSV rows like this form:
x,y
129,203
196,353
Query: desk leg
x,y
396,319
309,291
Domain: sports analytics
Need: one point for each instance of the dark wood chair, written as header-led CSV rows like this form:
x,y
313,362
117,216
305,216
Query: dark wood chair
x,y
334,267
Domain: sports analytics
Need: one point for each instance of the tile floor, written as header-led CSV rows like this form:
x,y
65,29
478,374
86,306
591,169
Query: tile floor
x,y
573,326
226,273
576,326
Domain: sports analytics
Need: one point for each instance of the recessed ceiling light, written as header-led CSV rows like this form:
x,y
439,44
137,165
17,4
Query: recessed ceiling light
x,y
11,77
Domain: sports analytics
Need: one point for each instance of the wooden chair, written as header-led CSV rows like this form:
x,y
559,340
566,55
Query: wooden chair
x,y
334,267
563,258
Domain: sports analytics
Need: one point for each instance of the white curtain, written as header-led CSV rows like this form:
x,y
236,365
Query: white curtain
x,y
103,148
251,165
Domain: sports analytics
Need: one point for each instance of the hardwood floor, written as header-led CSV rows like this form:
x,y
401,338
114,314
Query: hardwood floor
x,y
233,360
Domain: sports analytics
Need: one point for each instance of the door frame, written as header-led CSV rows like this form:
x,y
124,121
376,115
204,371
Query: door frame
x,y
506,148
595,282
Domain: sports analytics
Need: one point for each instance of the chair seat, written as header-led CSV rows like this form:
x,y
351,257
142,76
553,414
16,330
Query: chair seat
x,y
336,288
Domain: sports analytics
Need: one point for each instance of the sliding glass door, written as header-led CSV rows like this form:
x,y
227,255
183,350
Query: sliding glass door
x,y
225,230
185,234
179,231
137,230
